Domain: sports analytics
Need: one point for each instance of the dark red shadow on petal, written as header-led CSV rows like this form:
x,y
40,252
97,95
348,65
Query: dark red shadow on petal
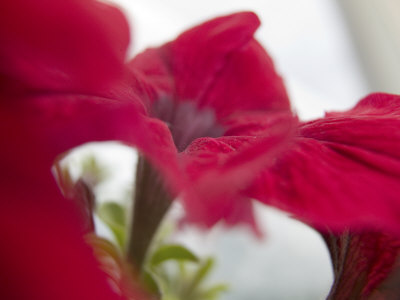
x,y
35,131
220,169
44,257
366,265
73,46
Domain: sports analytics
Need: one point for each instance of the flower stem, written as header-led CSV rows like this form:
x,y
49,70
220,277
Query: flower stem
x,y
151,202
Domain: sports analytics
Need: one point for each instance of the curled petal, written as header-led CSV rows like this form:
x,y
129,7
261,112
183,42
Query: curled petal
x,y
217,89
196,57
372,125
217,64
35,131
342,171
220,169
247,82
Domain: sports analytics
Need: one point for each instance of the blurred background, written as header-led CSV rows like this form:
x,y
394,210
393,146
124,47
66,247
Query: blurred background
x,y
331,54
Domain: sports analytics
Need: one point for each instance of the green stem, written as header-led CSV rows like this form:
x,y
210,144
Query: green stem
x,y
151,202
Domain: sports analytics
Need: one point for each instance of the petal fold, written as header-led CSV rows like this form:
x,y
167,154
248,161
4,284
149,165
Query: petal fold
x,y
217,64
219,68
36,131
218,170
247,82
366,265
194,59
342,171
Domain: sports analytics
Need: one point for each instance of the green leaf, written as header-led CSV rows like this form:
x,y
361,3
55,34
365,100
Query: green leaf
x,y
92,169
172,252
113,214
170,297
214,291
151,283
191,290
202,272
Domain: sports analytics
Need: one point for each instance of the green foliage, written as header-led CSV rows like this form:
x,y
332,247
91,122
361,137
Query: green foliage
x,y
175,273
92,171
171,271
113,214
151,283
171,252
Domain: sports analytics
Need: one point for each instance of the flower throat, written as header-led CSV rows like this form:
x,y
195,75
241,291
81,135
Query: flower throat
x,y
151,199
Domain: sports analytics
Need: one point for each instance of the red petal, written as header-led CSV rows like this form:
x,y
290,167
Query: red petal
x,y
343,170
366,266
199,54
36,130
212,62
44,257
210,65
373,125
152,67
72,45
220,169
248,81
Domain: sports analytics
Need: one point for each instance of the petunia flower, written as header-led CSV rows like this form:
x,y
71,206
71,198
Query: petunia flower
x,y
228,113
342,176
343,169
59,62
64,82
339,173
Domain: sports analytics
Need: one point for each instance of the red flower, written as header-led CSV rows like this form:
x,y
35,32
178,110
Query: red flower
x,y
60,63
342,176
339,173
226,108
63,82
342,170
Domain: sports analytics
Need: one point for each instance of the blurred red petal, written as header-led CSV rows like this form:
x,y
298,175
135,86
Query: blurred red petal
x,y
220,169
35,131
73,46
342,171
43,256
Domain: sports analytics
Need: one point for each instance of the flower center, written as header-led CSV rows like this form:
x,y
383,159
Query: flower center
x,y
186,121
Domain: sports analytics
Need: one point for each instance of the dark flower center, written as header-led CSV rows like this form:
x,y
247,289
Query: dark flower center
x,y
186,121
